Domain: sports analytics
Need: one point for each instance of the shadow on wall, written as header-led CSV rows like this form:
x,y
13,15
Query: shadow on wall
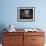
x,y
2,26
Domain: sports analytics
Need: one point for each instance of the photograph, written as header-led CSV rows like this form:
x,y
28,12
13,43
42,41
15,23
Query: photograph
x,y
25,14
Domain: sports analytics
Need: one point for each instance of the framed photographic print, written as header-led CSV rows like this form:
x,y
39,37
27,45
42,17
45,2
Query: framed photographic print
x,y
26,14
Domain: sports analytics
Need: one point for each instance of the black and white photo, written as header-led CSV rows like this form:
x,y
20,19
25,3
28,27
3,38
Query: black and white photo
x,y
25,14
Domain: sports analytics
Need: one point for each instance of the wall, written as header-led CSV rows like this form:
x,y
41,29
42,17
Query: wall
x,y
8,13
